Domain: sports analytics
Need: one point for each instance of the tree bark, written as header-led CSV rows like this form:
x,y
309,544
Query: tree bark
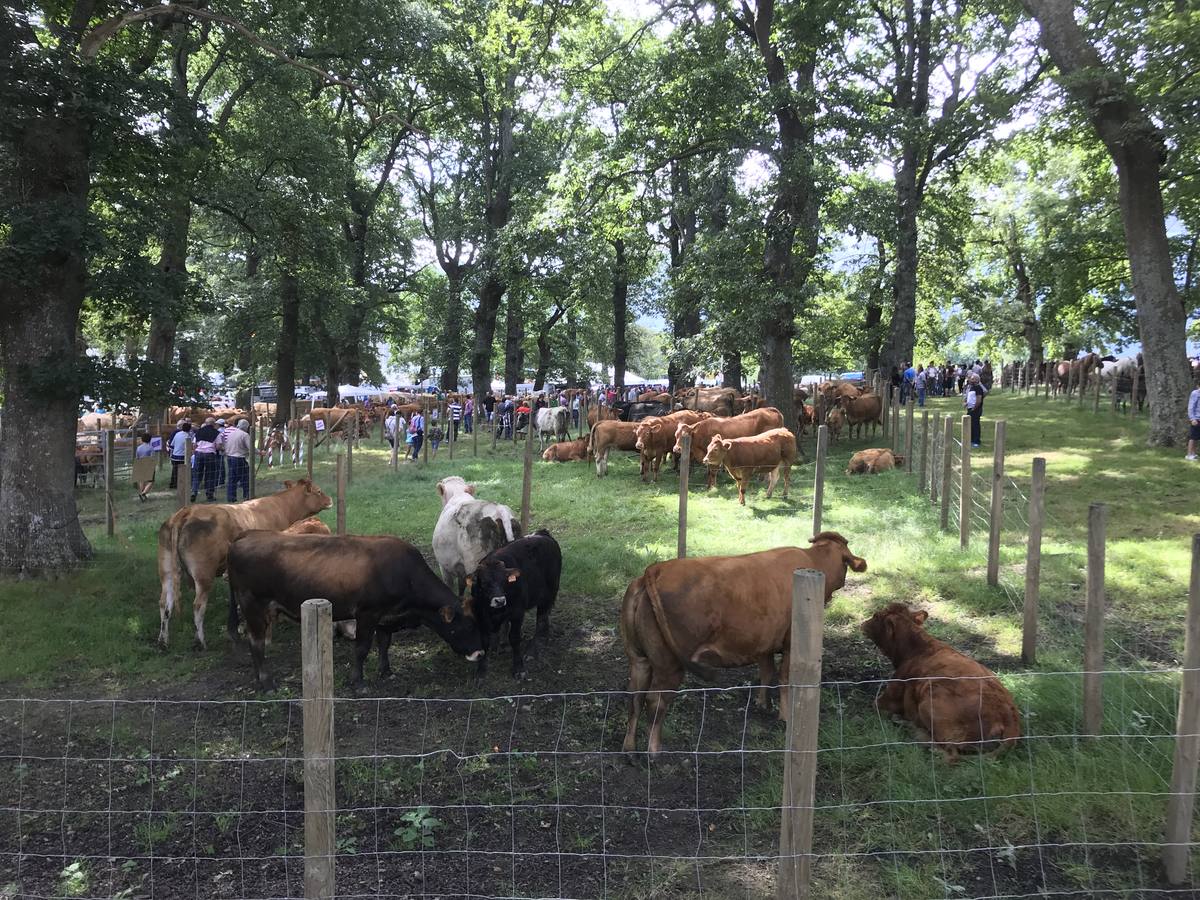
x,y
451,337
898,349
543,346
287,342
685,304
1136,147
732,374
620,293
514,334
875,311
39,314
1031,328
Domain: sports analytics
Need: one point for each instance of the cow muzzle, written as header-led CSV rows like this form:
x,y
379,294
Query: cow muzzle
x,y
474,657
499,602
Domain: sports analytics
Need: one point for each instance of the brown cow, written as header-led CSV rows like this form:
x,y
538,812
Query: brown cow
x,y
956,703
567,451
718,401
754,422
656,438
196,540
311,525
717,612
835,420
598,413
748,402
862,409
872,462
609,435
772,451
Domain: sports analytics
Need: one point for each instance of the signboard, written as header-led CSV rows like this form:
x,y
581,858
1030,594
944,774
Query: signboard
x,y
143,469
156,444
319,424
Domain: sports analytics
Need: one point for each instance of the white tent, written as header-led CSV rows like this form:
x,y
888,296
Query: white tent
x,y
356,391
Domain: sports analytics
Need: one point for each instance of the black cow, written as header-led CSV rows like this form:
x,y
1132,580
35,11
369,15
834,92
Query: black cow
x,y
382,583
510,581
635,411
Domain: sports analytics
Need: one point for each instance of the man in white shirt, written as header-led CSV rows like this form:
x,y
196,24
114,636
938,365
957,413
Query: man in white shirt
x,y
235,442
178,448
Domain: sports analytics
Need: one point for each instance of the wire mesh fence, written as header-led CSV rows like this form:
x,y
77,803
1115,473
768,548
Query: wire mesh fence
x,y
531,796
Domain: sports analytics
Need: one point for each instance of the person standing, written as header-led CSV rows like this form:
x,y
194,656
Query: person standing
x,y
178,446
416,428
973,401
221,429
456,413
204,472
469,414
1194,422
489,406
919,381
235,442
906,382
389,427
145,451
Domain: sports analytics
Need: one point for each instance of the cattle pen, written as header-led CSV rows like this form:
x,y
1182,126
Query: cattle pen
x,y
430,786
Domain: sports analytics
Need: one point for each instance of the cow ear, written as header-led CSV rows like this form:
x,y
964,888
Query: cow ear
x,y
447,614
890,628
470,583
441,489
513,575
727,444
471,489
857,563
920,616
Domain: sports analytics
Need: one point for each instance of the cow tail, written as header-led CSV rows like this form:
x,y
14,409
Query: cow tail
x,y
660,616
591,444
169,563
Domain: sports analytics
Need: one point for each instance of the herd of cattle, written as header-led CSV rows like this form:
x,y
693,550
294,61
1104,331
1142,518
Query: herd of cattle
x,y
697,614
1067,376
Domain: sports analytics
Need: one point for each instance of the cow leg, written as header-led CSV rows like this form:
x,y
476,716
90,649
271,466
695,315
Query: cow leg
x,y
772,479
383,642
364,636
662,691
768,677
514,641
639,680
787,479
743,482
258,623
712,478
203,587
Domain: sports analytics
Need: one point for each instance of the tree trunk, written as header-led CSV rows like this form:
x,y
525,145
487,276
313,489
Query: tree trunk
x,y
245,357
620,291
490,295
451,337
39,314
1136,147
685,304
285,345
875,311
731,369
898,349
1030,326
514,333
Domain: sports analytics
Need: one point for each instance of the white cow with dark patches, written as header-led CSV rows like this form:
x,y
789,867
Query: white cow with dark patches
x,y
552,420
467,530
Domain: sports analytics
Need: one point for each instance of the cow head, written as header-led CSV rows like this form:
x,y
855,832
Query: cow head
x,y
682,429
313,499
649,425
458,628
489,588
717,448
832,553
453,486
896,630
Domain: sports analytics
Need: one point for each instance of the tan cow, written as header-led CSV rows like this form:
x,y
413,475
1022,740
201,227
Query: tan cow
x,y
772,452
598,413
872,462
835,421
609,435
754,422
862,409
955,702
311,525
719,612
566,451
718,401
196,541
337,419
656,438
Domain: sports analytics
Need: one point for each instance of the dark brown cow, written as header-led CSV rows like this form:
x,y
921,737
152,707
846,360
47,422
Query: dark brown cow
x,y
772,451
956,703
702,613
656,438
718,401
861,410
754,422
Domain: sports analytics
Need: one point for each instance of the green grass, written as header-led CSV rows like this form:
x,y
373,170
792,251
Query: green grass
x,y
93,633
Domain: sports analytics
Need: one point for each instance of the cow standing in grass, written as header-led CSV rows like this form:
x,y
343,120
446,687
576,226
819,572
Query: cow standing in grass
x,y
195,541
467,530
773,452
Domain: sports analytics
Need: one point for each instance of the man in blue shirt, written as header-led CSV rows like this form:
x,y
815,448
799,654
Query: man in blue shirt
x,y
906,382
1194,422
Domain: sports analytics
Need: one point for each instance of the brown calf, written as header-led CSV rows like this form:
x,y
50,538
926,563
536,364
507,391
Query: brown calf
x,y
754,422
656,438
772,451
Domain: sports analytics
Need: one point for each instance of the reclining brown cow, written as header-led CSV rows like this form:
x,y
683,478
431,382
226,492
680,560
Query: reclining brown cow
x,y
956,703
718,612
874,461
566,451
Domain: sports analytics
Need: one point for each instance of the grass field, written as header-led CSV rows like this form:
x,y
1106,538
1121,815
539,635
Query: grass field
x,y
1061,814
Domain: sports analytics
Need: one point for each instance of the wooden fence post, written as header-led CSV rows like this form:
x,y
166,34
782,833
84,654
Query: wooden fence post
x,y
685,471
947,470
476,409
964,486
886,396
495,422
312,430
804,712
185,474
1112,395
320,799
1096,398
1093,625
934,462
396,436
451,429
996,512
110,501
1182,797
908,431
425,437
252,462
1081,385
350,445
1033,561
896,421
341,491
1133,397
527,475
924,469
819,477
